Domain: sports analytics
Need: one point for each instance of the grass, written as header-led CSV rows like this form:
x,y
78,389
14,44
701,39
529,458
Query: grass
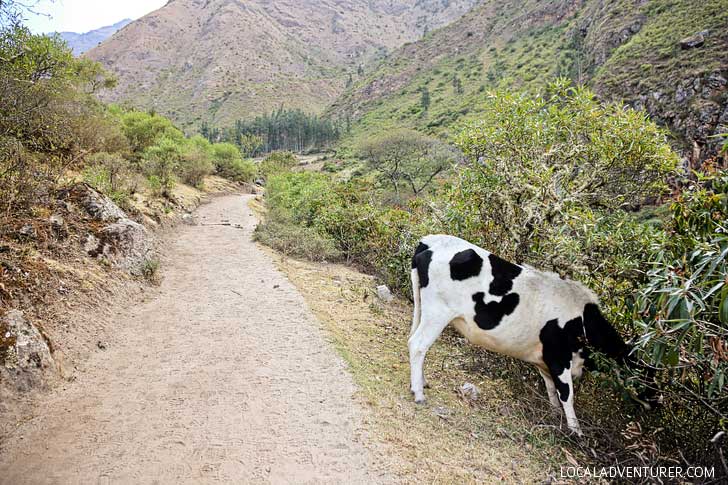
x,y
526,45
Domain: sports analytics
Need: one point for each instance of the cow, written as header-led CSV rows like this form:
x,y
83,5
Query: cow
x,y
510,309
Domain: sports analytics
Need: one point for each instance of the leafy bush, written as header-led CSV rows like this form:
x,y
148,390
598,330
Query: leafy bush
x,y
682,310
111,174
195,161
229,163
276,163
161,161
297,241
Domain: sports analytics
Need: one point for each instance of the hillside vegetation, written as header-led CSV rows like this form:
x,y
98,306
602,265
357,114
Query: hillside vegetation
x,y
664,56
217,60
552,181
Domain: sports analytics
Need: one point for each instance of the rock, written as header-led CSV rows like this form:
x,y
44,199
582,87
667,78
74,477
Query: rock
x,y
384,294
27,231
126,244
469,391
58,226
24,352
716,81
681,94
442,412
693,41
99,206
188,219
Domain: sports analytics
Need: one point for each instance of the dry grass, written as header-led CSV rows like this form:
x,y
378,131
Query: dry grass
x,y
450,439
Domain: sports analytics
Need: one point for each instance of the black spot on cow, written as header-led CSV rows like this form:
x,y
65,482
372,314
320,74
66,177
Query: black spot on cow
x,y
559,345
489,315
465,264
503,275
421,262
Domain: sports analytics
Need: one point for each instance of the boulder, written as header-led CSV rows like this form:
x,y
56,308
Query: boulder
x,y
693,41
125,244
98,205
24,352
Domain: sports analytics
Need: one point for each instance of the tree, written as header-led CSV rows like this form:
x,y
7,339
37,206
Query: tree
x,y
457,85
407,158
536,158
48,118
425,98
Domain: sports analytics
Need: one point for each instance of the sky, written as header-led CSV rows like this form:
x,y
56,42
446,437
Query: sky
x,y
84,15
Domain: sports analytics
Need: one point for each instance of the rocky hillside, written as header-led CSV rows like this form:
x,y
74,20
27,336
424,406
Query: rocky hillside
x,y
219,60
667,57
81,43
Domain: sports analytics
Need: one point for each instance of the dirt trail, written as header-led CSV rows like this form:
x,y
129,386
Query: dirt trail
x,y
222,376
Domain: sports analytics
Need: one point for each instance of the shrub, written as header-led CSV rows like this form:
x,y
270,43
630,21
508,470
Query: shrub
x,y
161,161
111,174
195,161
277,163
229,163
294,240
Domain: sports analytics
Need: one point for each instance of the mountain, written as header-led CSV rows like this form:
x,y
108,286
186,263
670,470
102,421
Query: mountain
x,y
220,60
667,57
81,43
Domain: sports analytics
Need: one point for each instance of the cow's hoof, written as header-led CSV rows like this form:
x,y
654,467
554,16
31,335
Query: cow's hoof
x,y
420,402
427,385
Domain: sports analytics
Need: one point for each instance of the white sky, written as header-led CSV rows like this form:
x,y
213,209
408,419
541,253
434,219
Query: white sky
x,y
84,15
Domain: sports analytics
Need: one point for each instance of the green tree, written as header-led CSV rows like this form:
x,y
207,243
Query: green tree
x,y
536,159
425,99
407,158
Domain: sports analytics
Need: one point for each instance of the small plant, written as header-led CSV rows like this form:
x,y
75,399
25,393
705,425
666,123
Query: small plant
x,y
150,270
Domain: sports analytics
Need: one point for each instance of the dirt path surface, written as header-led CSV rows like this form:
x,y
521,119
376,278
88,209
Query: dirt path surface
x,y
223,376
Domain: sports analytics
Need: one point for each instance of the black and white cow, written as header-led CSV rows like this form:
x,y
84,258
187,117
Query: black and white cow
x,y
515,310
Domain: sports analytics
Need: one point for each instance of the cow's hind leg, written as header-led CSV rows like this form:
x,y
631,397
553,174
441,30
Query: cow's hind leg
x,y
550,389
430,327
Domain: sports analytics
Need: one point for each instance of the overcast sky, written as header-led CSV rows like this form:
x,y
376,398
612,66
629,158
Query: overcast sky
x,y
84,15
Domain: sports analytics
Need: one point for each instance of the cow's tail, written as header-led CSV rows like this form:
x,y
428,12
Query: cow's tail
x,y
417,313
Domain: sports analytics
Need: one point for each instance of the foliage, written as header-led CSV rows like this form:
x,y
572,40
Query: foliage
x,y
111,174
538,159
682,310
290,130
408,158
196,161
161,161
230,164
277,162
48,116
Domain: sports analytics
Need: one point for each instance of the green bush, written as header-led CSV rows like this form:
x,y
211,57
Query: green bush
x,y
277,163
682,310
294,240
162,161
111,174
195,161
230,164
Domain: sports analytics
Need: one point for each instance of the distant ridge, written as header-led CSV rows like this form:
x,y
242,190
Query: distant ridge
x,y
217,61
81,43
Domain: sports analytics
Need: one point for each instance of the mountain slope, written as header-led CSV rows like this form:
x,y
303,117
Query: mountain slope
x,y
219,60
627,50
81,43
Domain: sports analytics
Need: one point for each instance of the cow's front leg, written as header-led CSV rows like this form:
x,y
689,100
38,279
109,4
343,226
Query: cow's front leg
x,y
565,387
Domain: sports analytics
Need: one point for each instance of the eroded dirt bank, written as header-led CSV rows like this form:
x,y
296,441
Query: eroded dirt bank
x,y
224,375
